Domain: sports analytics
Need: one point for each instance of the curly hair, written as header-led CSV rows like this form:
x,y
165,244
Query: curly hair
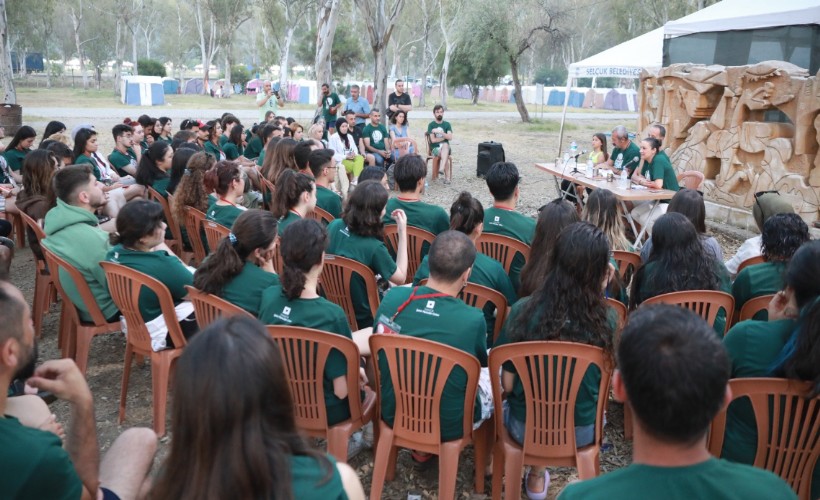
x,y
191,189
363,213
782,235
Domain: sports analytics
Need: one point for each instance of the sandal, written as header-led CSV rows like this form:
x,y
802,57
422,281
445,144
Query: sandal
x,y
537,495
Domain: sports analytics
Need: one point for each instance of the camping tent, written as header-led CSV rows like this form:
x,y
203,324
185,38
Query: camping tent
x,y
142,90
194,86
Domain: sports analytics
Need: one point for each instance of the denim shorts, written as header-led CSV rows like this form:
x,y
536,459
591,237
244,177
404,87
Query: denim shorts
x,y
584,434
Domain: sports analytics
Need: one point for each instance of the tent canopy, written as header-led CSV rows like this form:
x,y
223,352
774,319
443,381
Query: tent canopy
x,y
625,60
730,15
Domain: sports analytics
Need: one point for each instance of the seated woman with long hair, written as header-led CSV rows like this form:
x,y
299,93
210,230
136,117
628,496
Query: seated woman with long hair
x,y
552,219
294,199
467,216
152,170
257,452
690,203
179,163
139,244
191,191
603,211
37,196
228,182
241,268
359,235
785,346
568,306
278,158
678,262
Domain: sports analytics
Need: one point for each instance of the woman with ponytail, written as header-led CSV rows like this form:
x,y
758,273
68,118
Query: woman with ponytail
x,y
228,182
153,167
294,199
241,268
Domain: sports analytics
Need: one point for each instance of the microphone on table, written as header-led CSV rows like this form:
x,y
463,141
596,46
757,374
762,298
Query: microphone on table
x,y
575,168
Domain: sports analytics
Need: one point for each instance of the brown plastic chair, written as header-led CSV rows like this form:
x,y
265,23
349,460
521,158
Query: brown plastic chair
x,y
628,263
691,179
502,248
278,263
707,303
478,296
753,306
622,311
174,244
208,308
751,261
436,160
416,249
214,233
336,275
18,227
77,335
788,428
193,226
321,215
419,370
549,437
44,291
304,354
125,285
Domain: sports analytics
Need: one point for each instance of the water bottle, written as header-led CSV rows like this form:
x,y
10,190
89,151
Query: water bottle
x,y
573,148
625,183
590,168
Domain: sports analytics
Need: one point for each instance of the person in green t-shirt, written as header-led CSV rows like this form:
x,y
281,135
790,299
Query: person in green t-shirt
x,y
294,199
440,134
625,153
323,167
359,235
329,102
228,182
233,375
674,374
17,149
268,100
376,139
153,167
228,122
782,235
568,306
657,173
410,172
434,312
123,158
212,129
241,267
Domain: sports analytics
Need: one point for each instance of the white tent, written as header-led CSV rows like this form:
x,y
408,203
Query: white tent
x,y
731,15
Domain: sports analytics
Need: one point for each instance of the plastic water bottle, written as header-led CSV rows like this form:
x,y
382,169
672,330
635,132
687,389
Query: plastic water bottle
x,y
625,179
590,168
573,148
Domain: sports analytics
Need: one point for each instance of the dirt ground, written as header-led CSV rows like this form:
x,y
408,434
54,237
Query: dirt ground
x,y
524,144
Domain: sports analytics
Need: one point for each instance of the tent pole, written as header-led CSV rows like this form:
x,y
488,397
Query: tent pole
x,y
564,115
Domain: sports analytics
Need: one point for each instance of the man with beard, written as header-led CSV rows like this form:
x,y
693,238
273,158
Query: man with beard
x,y
33,463
73,233
329,102
441,133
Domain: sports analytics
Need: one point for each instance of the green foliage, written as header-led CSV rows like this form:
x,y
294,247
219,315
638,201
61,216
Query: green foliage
x,y
476,65
150,67
551,77
55,70
240,74
347,50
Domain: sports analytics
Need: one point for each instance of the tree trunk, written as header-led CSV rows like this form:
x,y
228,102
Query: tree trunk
x,y
380,77
226,88
475,91
76,22
445,67
380,28
118,45
326,29
6,80
134,54
519,98
284,59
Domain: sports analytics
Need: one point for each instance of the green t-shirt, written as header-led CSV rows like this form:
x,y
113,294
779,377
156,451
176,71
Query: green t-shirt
x,y
245,289
712,479
215,150
661,168
254,147
328,102
120,160
161,185
34,464
587,400
319,314
445,125
446,320
486,272
308,479
507,222
159,265
757,280
232,151
286,221
422,215
222,140
628,157
15,158
86,160
371,252
329,201
377,134
223,214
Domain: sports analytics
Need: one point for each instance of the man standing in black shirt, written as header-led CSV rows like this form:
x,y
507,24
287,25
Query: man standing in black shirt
x,y
399,101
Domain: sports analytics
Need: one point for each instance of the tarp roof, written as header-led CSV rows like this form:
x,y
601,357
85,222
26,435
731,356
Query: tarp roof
x,y
731,15
625,60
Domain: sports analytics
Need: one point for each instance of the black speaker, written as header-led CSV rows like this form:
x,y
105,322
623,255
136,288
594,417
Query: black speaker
x,y
488,154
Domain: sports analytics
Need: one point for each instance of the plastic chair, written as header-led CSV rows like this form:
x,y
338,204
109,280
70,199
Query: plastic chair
x,y
321,215
691,179
77,334
479,296
193,226
549,438
436,160
335,278
502,248
622,311
751,261
278,263
214,233
176,243
707,303
208,308
304,354
416,249
18,227
754,306
419,370
628,263
788,428
44,291
125,285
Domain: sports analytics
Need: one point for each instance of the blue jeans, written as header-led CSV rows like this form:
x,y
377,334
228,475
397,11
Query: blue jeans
x,y
584,434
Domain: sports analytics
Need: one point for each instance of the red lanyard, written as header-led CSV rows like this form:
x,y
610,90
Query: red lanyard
x,y
508,209
413,297
226,201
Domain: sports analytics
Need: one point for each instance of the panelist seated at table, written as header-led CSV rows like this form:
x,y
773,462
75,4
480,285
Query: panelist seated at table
x,y
657,173
625,153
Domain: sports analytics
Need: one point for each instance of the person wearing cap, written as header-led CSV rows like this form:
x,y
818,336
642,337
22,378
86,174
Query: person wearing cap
x,y
203,133
766,204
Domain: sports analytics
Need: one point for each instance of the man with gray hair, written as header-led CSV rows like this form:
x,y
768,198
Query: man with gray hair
x,y
625,153
360,108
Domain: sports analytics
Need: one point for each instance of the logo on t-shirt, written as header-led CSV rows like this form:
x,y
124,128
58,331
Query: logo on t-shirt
x,y
376,136
429,309
285,315
619,161
329,101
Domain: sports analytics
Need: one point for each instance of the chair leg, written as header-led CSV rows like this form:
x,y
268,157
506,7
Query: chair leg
x,y
513,465
40,302
380,464
391,463
628,422
448,470
337,438
160,373
588,462
482,447
83,345
498,470
126,373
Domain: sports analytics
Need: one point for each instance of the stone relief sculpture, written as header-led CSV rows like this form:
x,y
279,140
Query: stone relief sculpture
x,y
747,128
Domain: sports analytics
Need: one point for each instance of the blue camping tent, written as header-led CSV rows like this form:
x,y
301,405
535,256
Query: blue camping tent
x,y
142,91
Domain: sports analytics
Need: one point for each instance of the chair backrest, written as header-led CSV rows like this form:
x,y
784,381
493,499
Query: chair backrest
x,y
193,226
214,233
502,248
691,179
154,195
754,306
337,273
208,308
419,370
751,261
278,263
416,240
551,375
621,309
57,265
479,296
707,303
398,142
39,235
628,263
304,354
125,285
429,144
788,428
321,215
